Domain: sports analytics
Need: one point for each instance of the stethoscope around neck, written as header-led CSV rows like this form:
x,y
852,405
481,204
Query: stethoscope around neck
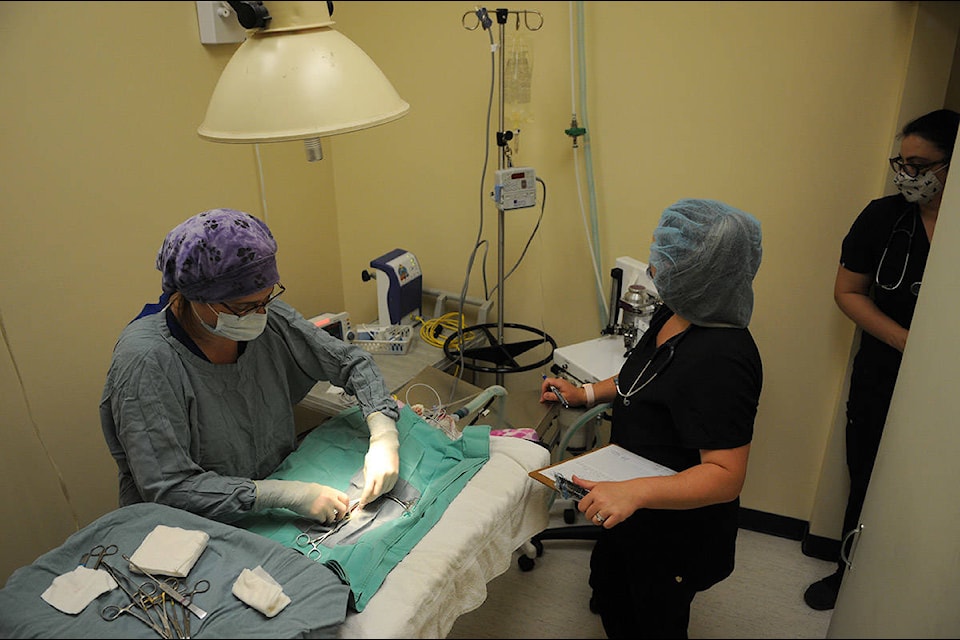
x,y
898,228
669,348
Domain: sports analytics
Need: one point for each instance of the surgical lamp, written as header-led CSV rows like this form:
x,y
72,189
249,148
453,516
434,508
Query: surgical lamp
x,y
296,78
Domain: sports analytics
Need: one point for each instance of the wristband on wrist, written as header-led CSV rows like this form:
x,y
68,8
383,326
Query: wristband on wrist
x,y
591,399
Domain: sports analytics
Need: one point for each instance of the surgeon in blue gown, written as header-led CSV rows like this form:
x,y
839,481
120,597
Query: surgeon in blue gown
x,y
198,404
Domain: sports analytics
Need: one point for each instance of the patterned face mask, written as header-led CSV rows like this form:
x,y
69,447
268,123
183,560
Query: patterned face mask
x,y
921,189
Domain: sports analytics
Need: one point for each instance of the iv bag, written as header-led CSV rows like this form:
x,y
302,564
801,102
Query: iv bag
x,y
517,80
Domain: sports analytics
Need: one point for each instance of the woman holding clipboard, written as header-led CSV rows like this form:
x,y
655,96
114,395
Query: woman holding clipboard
x,y
686,398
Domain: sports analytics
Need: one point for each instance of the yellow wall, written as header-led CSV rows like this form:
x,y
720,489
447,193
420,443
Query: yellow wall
x,y
784,109
99,159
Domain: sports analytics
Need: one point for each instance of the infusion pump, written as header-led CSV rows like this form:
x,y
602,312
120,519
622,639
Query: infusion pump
x,y
336,324
515,188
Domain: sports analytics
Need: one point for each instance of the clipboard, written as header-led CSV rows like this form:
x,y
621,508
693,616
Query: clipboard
x,y
609,463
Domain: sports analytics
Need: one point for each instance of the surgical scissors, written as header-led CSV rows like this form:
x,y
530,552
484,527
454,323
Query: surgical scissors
x,y
200,586
99,552
188,600
189,593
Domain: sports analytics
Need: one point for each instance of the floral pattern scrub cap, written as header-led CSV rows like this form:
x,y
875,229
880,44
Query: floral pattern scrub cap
x,y
218,255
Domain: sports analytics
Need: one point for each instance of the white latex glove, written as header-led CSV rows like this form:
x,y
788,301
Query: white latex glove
x,y
309,499
381,465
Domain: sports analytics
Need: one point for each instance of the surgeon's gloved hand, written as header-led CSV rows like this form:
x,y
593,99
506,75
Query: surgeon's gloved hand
x,y
309,499
381,465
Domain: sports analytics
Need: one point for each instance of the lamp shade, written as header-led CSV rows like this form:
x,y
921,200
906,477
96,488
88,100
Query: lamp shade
x,y
298,79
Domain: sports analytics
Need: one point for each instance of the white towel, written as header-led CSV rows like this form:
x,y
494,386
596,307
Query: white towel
x,y
72,592
169,551
258,589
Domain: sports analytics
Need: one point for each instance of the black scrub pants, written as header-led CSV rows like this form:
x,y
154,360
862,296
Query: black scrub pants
x,y
871,389
648,608
641,580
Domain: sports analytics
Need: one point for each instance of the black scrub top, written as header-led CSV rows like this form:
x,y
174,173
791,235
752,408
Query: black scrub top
x,y
703,396
700,390
894,225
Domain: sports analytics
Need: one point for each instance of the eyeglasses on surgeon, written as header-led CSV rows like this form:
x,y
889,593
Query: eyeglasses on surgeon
x,y
253,307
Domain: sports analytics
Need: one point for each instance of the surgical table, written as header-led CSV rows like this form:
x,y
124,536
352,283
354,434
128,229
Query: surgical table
x,y
442,577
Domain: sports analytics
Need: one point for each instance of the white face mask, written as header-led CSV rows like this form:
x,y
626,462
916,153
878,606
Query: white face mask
x,y
921,189
239,328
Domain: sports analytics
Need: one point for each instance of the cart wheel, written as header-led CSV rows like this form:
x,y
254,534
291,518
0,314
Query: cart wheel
x,y
525,563
569,515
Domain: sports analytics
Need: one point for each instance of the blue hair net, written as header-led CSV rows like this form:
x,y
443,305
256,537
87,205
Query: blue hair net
x,y
705,254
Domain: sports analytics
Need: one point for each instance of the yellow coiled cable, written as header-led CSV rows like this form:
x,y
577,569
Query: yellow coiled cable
x,y
431,331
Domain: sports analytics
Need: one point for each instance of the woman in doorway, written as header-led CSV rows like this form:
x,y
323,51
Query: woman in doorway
x,y
882,260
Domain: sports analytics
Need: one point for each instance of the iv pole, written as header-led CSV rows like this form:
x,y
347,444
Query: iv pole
x,y
498,351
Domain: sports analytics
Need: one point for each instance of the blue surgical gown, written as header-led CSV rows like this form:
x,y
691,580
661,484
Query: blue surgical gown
x,y
195,435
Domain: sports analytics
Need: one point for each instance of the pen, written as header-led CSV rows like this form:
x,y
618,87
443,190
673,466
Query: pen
x,y
559,395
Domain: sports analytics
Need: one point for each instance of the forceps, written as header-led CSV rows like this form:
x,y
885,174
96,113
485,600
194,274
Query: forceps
x,y
406,504
304,538
139,599
153,597
99,552
111,612
173,593
172,612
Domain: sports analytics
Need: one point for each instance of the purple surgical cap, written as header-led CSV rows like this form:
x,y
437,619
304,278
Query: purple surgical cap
x,y
218,255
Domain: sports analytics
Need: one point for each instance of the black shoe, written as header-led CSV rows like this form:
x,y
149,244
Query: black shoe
x,y
822,594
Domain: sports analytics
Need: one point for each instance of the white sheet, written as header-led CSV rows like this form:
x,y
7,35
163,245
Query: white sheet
x,y
446,574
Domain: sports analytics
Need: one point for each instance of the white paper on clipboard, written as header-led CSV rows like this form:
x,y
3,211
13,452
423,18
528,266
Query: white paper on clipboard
x,y
610,463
